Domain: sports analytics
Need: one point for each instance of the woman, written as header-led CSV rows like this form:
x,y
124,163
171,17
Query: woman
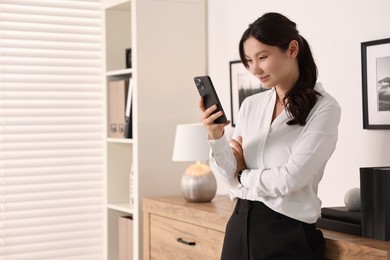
x,y
281,143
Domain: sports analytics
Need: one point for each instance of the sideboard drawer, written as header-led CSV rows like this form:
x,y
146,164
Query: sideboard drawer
x,y
165,232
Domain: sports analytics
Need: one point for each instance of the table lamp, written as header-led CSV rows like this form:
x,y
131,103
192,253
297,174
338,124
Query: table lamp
x,y
198,183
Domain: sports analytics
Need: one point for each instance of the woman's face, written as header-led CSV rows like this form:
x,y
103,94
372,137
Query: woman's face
x,y
270,65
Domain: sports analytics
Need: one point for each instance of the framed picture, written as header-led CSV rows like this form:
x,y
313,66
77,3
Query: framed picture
x,y
242,85
376,84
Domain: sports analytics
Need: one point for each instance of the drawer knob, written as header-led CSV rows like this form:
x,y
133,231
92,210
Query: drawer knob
x,y
180,240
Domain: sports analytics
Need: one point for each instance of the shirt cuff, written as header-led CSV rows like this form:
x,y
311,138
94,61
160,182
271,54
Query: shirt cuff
x,y
245,180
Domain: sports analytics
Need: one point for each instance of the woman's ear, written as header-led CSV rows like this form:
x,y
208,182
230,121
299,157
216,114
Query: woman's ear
x,y
293,49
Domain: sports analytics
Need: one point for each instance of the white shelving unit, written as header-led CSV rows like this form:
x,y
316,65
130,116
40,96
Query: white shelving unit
x,y
168,41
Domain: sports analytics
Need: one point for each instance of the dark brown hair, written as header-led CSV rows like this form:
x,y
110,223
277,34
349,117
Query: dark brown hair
x,y
277,30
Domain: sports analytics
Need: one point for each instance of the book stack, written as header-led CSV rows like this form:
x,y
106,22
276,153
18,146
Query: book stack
x,y
340,219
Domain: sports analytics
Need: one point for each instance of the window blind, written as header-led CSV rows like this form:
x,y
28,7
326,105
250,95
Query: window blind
x,y
51,130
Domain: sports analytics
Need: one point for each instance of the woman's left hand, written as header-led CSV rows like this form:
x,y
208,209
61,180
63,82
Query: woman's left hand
x,y
238,153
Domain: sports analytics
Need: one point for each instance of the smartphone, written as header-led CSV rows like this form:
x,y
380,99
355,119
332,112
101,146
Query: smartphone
x,y
207,91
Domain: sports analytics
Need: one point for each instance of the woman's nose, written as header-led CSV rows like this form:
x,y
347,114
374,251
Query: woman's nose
x,y
257,71
255,68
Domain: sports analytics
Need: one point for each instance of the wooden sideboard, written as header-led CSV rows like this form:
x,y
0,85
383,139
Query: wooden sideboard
x,y
177,229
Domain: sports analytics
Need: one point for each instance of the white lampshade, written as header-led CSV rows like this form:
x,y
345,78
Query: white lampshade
x,y
190,143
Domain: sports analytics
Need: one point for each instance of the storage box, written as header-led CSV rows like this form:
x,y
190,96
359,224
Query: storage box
x,y
375,202
125,244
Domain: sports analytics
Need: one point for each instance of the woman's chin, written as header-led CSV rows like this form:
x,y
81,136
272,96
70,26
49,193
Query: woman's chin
x,y
266,86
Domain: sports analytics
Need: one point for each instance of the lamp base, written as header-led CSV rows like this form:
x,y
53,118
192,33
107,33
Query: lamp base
x,y
198,183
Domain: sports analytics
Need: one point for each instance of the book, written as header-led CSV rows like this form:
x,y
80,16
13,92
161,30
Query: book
x,y
128,132
341,214
381,200
131,186
339,226
367,209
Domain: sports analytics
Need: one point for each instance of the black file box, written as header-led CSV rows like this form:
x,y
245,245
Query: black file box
x,y
375,202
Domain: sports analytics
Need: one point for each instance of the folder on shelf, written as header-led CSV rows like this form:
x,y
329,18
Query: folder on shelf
x,y
125,238
375,202
128,133
116,108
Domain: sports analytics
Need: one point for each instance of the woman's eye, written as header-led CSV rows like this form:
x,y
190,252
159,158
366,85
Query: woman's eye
x,y
263,57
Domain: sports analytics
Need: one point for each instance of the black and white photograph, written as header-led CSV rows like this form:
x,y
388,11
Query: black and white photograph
x,y
242,85
376,84
383,76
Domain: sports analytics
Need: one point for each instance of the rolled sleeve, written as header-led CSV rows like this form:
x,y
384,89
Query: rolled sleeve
x,y
223,161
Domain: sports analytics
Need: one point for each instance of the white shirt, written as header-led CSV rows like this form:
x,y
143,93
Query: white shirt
x,y
285,162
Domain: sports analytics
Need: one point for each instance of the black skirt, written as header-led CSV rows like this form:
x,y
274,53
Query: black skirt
x,y
255,232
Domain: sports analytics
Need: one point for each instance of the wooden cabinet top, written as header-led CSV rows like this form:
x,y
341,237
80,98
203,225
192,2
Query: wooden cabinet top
x,y
215,215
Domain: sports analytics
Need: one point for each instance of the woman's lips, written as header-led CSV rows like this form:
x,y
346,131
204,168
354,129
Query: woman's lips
x,y
262,79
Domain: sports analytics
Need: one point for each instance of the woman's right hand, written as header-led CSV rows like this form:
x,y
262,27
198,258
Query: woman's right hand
x,y
238,152
215,131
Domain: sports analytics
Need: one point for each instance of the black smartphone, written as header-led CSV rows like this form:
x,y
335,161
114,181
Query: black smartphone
x,y
207,91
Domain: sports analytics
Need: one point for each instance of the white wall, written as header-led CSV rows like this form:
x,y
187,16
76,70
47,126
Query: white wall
x,y
334,30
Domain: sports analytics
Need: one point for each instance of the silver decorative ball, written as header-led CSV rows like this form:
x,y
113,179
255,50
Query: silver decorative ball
x,y
198,183
352,199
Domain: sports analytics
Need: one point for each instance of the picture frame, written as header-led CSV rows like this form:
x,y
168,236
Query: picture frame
x,y
242,85
375,57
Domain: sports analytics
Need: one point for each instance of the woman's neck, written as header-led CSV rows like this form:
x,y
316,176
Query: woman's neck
x,y
283,87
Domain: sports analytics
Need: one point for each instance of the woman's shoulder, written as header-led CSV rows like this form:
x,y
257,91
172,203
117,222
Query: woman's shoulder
x,y
255,102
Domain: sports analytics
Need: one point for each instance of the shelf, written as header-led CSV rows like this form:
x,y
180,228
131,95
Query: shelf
x,y
122,72
120,140
116,4
129,165
124,208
